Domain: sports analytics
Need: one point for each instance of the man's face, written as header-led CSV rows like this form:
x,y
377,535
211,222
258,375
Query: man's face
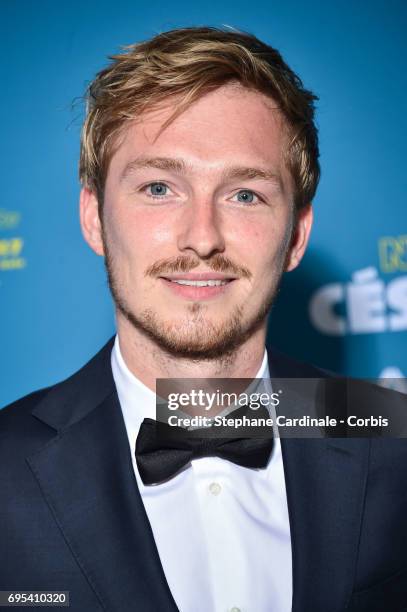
x,y
197,222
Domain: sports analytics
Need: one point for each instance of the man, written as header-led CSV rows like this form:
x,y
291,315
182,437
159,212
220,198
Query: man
x,y
199,162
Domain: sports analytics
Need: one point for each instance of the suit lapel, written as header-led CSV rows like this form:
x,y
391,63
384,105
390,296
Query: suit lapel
x,y
325,484
88,482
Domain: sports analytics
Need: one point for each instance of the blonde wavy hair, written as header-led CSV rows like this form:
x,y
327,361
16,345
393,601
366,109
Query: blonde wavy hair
x,y
188,63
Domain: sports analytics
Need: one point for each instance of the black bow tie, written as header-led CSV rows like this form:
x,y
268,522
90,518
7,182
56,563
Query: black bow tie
x,y
159,458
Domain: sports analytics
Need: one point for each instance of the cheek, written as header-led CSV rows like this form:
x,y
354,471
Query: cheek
x,y
138,240
260,244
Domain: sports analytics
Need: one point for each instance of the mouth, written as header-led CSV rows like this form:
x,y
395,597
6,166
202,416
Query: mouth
x,y
198,286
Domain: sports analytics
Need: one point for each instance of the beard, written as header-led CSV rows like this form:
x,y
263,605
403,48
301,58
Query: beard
x,y
196,337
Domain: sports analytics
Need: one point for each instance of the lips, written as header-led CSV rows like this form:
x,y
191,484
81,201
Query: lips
x,y
201,283
199,276
198,285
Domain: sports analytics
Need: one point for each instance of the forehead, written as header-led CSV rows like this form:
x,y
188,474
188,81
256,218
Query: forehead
x,y
231,125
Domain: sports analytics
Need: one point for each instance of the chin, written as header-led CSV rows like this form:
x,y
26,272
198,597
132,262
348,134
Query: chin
x,y
199,338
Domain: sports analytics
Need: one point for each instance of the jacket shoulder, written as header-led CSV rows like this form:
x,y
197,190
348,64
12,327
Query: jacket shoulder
x,y
283,366
18,409
20,433
57,400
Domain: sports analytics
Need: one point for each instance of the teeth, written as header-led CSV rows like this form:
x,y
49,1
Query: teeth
x,y
202,283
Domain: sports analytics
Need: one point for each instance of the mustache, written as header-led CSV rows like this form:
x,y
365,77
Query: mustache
x,y
182,263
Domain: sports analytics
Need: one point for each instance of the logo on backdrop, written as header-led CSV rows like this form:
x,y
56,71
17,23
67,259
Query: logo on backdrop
x,y
11,247
367,303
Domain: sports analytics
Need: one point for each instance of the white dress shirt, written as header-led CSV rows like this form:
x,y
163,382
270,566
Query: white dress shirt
x,y
221,530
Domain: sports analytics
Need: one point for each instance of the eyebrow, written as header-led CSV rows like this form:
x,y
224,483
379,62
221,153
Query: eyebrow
x,y
179,166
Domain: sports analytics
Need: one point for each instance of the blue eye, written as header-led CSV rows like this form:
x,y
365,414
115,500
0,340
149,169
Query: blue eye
x,y
245,196
157,189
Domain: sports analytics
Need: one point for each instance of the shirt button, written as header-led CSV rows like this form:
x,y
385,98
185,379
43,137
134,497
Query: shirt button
x,y
215,489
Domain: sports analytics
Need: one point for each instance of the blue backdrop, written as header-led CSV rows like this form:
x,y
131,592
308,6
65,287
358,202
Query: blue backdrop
x,y
344,309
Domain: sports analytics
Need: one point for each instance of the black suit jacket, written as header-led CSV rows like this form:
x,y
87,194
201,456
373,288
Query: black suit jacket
x,y
72,519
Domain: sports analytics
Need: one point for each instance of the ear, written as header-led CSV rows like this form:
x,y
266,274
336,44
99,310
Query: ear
x,y
300,238
90,220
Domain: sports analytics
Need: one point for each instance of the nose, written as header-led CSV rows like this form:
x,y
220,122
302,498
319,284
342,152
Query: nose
x,y
200,229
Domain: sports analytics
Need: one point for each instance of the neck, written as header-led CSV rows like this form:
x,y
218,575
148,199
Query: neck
x,y
147,361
